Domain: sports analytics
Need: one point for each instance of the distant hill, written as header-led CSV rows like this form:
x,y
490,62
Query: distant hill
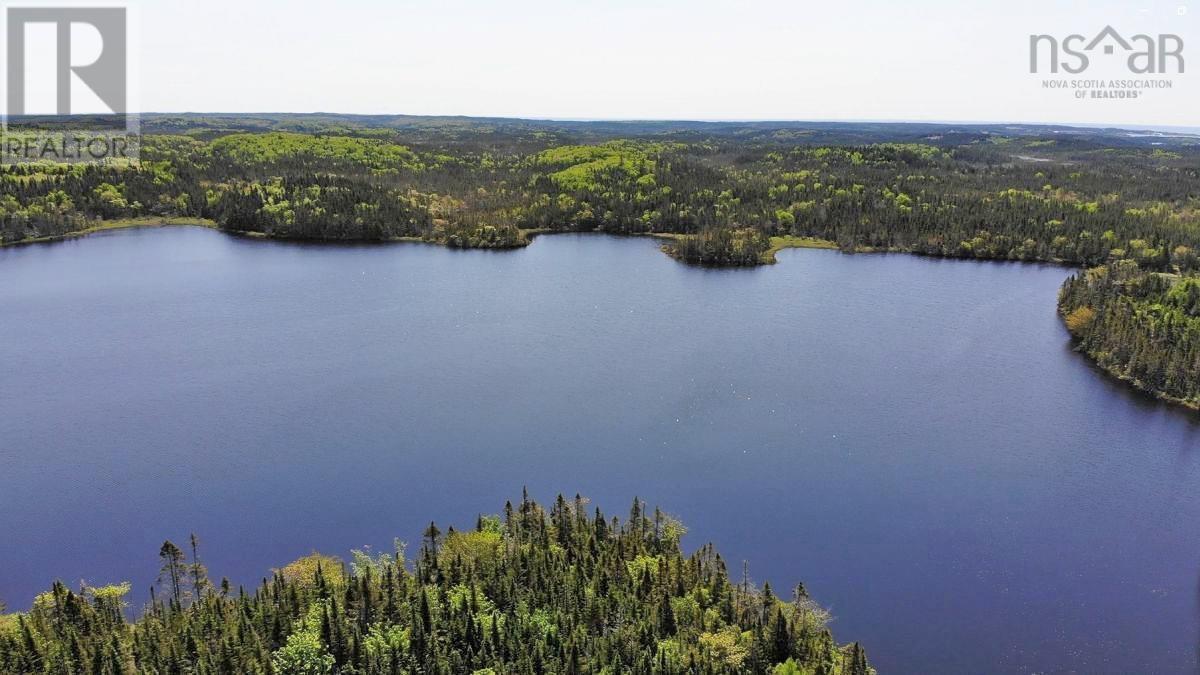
x,y
815,133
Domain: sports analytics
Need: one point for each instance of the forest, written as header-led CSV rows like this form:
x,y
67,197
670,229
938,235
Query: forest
x,y
722,190
564,591
1141,326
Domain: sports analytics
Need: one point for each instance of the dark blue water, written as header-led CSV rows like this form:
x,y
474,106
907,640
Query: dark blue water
x,y
911,438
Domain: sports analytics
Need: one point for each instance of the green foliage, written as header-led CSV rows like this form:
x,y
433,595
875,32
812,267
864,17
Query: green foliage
x,y
590,167
1143,327
484,183
472,548
722,247
303,655
313,570
481,236
332,152
559,591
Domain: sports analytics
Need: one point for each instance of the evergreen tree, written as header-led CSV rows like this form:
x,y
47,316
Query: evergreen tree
x,y
519,598
172,570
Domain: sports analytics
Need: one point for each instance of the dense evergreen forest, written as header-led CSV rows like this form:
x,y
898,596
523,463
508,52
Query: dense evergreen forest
x,y
565,591
1141,326
1019,193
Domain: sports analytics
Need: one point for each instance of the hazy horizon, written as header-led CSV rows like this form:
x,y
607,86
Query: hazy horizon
x,y
1166,128
650,60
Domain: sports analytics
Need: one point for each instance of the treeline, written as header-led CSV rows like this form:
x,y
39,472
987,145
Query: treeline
x,y
916,198
561,591
1141,326
474,184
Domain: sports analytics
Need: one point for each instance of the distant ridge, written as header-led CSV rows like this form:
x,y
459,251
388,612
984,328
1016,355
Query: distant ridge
x,y
835,132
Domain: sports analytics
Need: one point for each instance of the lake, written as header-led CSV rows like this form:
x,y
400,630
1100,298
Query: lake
x,y
912,438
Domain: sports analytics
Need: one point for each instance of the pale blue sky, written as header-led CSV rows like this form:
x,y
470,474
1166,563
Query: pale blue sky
x,y
647,59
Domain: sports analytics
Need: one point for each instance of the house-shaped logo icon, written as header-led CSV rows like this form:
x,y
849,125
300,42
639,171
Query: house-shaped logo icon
x,y
1109,33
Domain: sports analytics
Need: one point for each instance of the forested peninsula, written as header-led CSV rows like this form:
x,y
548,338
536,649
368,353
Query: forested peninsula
x,y
720,194
564,591
1142,327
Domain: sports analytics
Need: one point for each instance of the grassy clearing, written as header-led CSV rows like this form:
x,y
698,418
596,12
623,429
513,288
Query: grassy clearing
x,y
150,221
790,241
669,236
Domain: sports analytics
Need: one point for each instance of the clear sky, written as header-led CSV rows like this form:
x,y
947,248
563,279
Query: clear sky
x,y
951,60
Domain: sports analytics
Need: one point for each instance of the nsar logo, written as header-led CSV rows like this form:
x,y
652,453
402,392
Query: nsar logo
x,y
1144,54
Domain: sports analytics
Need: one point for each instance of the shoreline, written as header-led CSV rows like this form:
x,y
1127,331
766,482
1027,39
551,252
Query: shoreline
x,y
1132,383
768,257
778,243
119,224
